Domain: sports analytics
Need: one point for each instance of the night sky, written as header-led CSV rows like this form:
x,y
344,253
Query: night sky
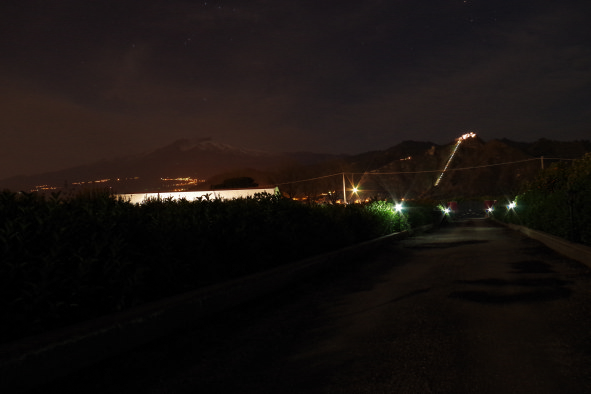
x,y
86,80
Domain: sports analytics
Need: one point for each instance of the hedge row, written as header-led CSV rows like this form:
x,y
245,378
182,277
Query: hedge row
x,y
64,260
558,202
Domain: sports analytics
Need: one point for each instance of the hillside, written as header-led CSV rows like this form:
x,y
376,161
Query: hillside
x,y
409,169
196,162
478,168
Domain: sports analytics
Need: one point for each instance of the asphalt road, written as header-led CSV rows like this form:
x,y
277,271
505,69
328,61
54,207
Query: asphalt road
x,y
470,308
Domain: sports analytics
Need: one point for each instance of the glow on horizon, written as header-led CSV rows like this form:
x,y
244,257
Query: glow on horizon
x,y
222,194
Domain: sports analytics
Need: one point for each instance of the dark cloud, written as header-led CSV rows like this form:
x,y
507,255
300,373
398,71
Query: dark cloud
x,y
88,80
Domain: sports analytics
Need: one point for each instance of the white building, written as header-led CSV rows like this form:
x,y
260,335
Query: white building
x,y
224,194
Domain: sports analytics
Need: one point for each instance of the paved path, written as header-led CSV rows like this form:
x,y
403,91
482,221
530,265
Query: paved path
x,y
471,308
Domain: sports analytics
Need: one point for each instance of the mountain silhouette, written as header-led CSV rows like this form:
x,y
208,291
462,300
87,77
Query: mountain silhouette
x,y
409,169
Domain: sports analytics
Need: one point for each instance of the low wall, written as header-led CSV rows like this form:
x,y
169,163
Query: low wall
x,y
566,248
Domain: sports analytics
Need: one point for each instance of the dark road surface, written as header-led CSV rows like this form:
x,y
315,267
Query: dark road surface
x,y
470,308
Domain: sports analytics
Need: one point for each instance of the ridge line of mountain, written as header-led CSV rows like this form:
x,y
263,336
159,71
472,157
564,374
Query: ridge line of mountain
x,y
210,161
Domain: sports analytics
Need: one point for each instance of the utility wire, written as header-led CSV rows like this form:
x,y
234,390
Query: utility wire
x,y
311,179
456,169
422,172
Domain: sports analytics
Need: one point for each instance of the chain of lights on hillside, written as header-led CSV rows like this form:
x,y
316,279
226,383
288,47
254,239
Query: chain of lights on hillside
x,y
458,143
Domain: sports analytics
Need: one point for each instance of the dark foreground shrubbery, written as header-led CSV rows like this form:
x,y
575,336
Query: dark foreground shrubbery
x,y
64,260
557,202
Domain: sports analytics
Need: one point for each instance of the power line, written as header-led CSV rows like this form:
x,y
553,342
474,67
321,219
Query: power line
x,y
311,179
422,172
458,169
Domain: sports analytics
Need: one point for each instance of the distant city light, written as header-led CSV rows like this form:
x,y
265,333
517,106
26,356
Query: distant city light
x,y
458,143
466,136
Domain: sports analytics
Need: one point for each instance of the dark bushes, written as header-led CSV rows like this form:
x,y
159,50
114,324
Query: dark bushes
x,y
68,259
557,202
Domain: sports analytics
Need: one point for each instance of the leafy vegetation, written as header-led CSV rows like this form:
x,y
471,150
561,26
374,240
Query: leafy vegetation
x,y
556,202
64,260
